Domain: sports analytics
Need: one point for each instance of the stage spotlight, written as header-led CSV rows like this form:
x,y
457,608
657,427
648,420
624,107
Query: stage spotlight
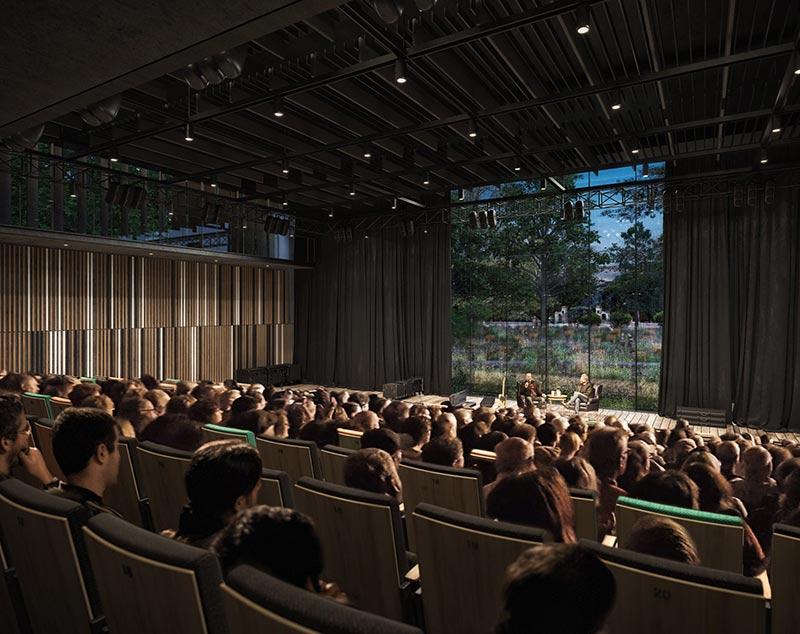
x,y
394,203
473,220
616,101
277,109
188,133
352,190
483,220
517,165
426,180
764,160
400,71
285,166
635,151
472,128
72,190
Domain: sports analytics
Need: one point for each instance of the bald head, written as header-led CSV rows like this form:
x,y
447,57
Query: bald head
x,y
513,455
444,425
757,463
366,420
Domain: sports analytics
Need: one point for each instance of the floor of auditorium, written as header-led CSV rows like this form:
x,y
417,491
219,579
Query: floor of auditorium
x,y
629,417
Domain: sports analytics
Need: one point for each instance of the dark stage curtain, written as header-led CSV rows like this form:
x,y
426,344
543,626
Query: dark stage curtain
x,y
377,310
732,308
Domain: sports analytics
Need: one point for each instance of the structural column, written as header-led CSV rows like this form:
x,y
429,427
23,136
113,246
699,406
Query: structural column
x,y
5,188
33,192
57,176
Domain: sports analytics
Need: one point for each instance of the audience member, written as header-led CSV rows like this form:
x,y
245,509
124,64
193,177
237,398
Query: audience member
x,y
728,454
386,439
103,403
373,470
637,464
394,414
137,411
59,385
568,444
365,420
159,399
85,448
668,487
15,443
577,473
757,485
557,588
419,429
514,456
80,392
205,412
444,425
18,383
174,430
447,452
179,405
662,537
607,450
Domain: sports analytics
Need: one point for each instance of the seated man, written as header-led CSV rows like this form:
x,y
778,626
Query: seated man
x,y
373,470
85,448
757,486
514,456
557,588
528,391
15,443
583,394
448,452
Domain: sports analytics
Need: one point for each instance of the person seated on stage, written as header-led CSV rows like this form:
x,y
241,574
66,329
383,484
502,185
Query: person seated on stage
x,y
514,456
223,478
373,470
662,537
419,430
448,452
15,443
583,394
528,391
85,448
386,439
546,583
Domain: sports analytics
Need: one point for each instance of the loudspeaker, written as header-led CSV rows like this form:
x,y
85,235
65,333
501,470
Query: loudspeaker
x,y
487,401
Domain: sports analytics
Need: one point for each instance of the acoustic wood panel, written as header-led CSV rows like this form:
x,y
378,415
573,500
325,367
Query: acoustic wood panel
x,y
86,313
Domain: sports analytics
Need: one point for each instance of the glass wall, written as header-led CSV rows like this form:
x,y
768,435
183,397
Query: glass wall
x,y
556,297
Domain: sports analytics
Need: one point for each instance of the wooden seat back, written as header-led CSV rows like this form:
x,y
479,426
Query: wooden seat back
x,y
349,438
784,578
43,432
37,405
125,496
276,489
162,470
333,460
585,503
298,458
219,432
474,550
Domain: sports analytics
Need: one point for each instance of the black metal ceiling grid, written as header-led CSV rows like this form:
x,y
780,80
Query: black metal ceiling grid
x,y
541,95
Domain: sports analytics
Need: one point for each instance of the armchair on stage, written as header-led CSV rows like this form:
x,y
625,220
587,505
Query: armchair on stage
x,y
594,402
528,392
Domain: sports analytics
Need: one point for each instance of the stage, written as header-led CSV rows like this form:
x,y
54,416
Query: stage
x,y
626,416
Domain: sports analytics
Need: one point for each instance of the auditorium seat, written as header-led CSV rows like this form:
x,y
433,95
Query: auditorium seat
x,y
349,438
333,460
162,470
298,458
15,617
43,433
218,432
125,496
276,489
785,579
258,603
150,583
472,552
585,503
58,405
37,405
448,487
659,596
483,461
42,540
362,538
719,538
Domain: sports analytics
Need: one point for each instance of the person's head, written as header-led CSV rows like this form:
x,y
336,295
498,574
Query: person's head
x,y
98,401
785,469
280,541
373,470
385,439
681,450
419,428
85,447
637,464
757,464
715,492
377,403
204,392
18,383
557,588
584,378
537,498
81,392
569,444
606,450
138,410
58,385
778,454
223,478
660,536
577,426
514,456
448,452
547,435
254,420
444,425
523,430
668,487
159,399
790,496
227,398
394,414
365,420
205,412
728,455
577,473
243,404
15,431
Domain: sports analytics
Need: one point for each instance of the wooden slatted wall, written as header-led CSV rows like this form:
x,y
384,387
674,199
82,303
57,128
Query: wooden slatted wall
x,y
101,314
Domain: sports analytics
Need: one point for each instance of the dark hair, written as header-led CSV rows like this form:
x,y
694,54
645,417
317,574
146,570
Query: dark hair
x,y
376,404
373,470
546,434
715,492
604,450
539,498
394,413
296,416
668,487
524,431
149,381
10,416
381,438
243,404
179,404
56,385
114,389
660,536
77,434
321,432
557,588
360,398
219,473
82,391
635,465
442,451
201,411
12,382
577,473
254,420
279,541
204,392
416,427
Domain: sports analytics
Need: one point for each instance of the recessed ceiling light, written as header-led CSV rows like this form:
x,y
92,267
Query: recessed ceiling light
x,y
66,245
213,184
367,154
797,71
616,106
427,179
278,108
400,71
583,20
635,151
188,135
775,130
764,160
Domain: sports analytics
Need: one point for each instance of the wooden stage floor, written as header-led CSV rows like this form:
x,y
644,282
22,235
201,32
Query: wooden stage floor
x,y
629,417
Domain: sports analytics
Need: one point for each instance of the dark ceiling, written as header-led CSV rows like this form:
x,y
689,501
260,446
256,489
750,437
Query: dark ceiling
x,y
700,82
